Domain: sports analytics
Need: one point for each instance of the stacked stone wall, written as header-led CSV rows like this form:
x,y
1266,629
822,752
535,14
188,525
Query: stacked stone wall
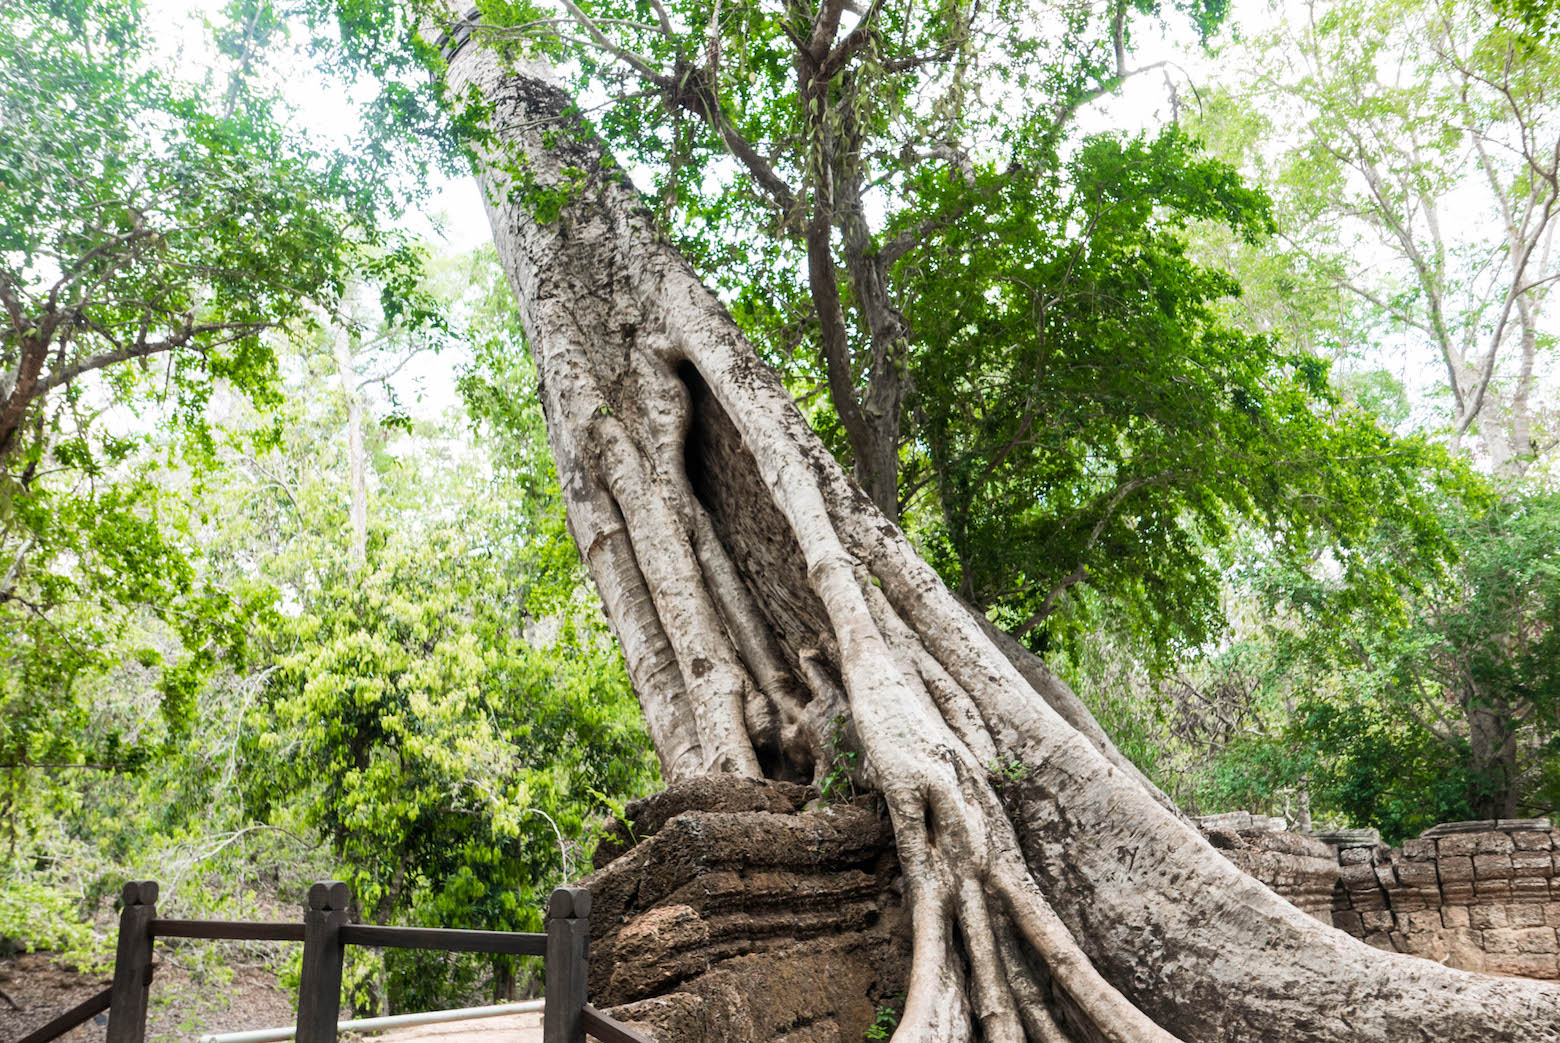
x,y
1302,869
1482,896
734,911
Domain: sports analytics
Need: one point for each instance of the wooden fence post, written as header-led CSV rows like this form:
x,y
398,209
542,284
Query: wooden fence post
x,y
132,963
319,988
568,942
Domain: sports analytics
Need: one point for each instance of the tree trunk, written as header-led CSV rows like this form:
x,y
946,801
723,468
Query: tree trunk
x,y
768,611
1492,747
357,467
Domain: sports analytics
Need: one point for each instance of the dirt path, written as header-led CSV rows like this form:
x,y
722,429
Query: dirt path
x,y
514,1028
183,1008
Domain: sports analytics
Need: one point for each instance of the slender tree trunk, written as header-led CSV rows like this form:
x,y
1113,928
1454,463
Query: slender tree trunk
x,y
357,466
1492,746
766,607
21,387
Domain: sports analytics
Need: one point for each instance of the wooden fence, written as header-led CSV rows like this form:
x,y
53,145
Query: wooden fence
x,y
567,1016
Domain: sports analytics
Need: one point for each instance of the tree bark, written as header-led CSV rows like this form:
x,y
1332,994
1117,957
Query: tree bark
x,y
21,387
1492,747
768,612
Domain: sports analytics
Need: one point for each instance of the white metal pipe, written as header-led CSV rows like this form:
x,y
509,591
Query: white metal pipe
x,y
427,1017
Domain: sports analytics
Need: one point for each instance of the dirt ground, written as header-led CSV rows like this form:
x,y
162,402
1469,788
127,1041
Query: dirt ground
x,y
183,1009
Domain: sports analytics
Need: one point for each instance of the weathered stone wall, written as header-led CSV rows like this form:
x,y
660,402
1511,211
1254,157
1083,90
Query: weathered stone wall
x,y
1302,869
733,914
1483,896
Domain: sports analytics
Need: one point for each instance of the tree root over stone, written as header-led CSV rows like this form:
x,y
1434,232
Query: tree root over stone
x,y
766,608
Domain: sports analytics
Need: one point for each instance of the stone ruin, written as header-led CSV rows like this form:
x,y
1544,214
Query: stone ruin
x,y
1301,868
732,912
1480,896
737,911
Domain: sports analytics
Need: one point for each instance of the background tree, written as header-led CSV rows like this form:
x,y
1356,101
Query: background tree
x,y
442,724
1453,697
151,232
451,735
1408,149
1413,148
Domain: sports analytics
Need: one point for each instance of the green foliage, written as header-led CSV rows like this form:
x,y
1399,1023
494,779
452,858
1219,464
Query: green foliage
x,y
152,232
36,916
409,723
1006,771
441,726
1431,702
886,1019
1089,417
1458,693
446,716
839,781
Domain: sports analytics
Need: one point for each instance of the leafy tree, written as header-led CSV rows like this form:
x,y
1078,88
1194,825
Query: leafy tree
x,y
152,232
1412,149
451,734
1465,674
987,316
759,596
450,765
1091,418
1408,148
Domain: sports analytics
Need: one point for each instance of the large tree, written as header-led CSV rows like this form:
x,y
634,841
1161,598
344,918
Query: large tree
x,y
762,599
989,318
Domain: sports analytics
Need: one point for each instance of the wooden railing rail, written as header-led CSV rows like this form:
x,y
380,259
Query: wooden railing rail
x,y
502,942
70,1019
228,930
567,1016
609,1031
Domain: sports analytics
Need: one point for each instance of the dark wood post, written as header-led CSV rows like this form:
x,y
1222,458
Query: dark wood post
x,y
132,963
568,942
319,988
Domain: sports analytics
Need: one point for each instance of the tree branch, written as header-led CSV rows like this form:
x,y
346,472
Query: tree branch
x,y
640,64
824,27
143,349
666,23
1081,573
853,42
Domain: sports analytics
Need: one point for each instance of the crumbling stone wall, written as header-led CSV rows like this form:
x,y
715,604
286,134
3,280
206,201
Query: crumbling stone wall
x,y
732,912
1300,868
1483,896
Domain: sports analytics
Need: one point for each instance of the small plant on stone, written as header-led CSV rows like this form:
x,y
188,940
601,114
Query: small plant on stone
x,y
887,1019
